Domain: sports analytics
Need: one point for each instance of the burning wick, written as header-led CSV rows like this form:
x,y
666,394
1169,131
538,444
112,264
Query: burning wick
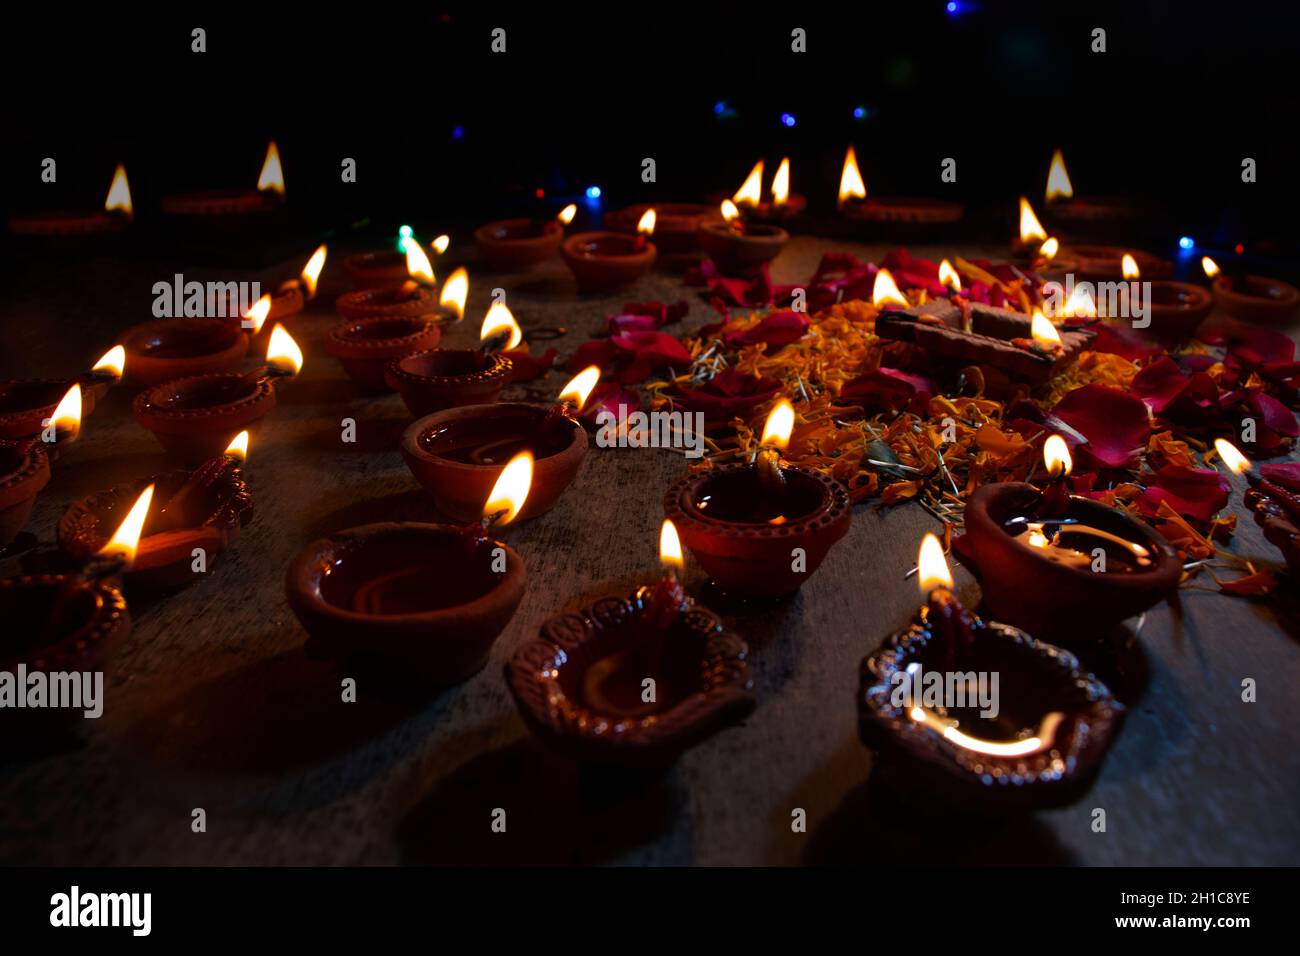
x,y
942,612
572,397
645,228
310,275
851,185
108,370
1055,500
1046,337
64,425
732,215
948,276
1261,489
1031,230
505,501
119,554
283,359
500,331
1049,249
565,215
174,514
668,597
418,267
439,245
767,460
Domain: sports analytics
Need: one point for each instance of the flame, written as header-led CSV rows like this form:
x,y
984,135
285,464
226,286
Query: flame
x,y
440,244
238,447
567,213
1030,228
272,178
647,224
1044,332
729,210
948,276
455,291
511,490
497,320
127,536
1056,456
114,361
932,566
311,271
781,182
1129,266
1210,266
1012,748
580,386
257,313
1234,459
67,414
417,263
1058,180
851,185
885,291
1080,304
751,190
779,425
119,193
282,351
670,546
1049,249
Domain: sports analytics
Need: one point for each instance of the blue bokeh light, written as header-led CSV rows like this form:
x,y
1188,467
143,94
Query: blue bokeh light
x,y
458,132
1186,243
859,112
953,6
593,192
787,119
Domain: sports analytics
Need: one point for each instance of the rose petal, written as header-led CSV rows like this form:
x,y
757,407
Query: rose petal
x,y
1114,422
525,367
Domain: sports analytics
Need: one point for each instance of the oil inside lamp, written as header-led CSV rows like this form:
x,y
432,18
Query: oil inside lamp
x,y
271,179
1031,230
454,292
948,276
851,185
885,292
119,194
1058,180
499,331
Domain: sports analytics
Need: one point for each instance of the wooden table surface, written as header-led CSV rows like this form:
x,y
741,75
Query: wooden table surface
x,y
213,704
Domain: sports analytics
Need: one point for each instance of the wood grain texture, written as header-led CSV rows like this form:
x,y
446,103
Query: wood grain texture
x,y
213,703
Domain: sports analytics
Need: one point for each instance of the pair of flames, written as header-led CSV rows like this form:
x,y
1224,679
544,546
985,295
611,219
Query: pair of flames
x,y
308,279
750,192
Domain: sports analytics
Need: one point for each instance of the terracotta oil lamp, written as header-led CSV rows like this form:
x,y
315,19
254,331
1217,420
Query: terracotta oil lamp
x,y
61,427
292,295
676,225
1063,566
163,349
633,682
746,524
381,325
1037,252
24,471
513,245
781,206
1252,298
197,417
29,406
1081,212
1177,310
459,453
414,603
226,207
1107,263
1276,509
1040,746
386,267
76,223
610,260
738,247
896,211
200,509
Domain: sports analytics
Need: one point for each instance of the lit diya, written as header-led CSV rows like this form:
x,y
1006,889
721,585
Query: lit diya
x,y
192,517
1276,509
1034,738
512,245
782,205
24,471
889,210
676,225
61,623
610,260
1060,565
384,324
739,247
1078,211
71,223
459,453
196,417
163,349
416,603
231,205
1252,298
760,529
636,681
1176,308
28,407
289,298
386,267
1107,263
1035,250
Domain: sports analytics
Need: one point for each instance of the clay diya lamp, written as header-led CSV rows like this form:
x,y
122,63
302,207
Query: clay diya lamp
x,y
197,417
897,211
460,453
414,603
743,522
1276,509
1037,741
610,260
228,207
513,245
1106,263
1177,310
290,297
24,471
1253,298
738,247
633,682
201,509
436,379
79,223
163,349
781,207
29,406
1081,212
676,225
1060,566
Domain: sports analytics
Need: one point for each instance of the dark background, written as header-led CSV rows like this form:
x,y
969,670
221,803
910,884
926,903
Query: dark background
x,y
446,133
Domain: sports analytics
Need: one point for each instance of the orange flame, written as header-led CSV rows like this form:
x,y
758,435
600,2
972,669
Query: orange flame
x,y
1049,249
647,224
886,292
257,313
67,414
781,183
498,320
851,185
779,425
1235,460
670,546
311,271
282,351
750,192
511,488
567,213
1030,228
417,264
127,537
272,177
580,386
1056,456
1044,332
948,276
1129,267
1081,304
729,210
455,291
238,447
440,244
119,193
112,361
1058,180
932,566
1210,266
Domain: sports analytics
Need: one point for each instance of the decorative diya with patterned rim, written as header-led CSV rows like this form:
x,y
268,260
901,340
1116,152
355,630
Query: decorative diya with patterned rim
x,y
760,530
736,246
611,260
1253,298
435,379
512,245
1031,736
201,509
163,349
417,604
633,682
28,406
217,207
24,471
